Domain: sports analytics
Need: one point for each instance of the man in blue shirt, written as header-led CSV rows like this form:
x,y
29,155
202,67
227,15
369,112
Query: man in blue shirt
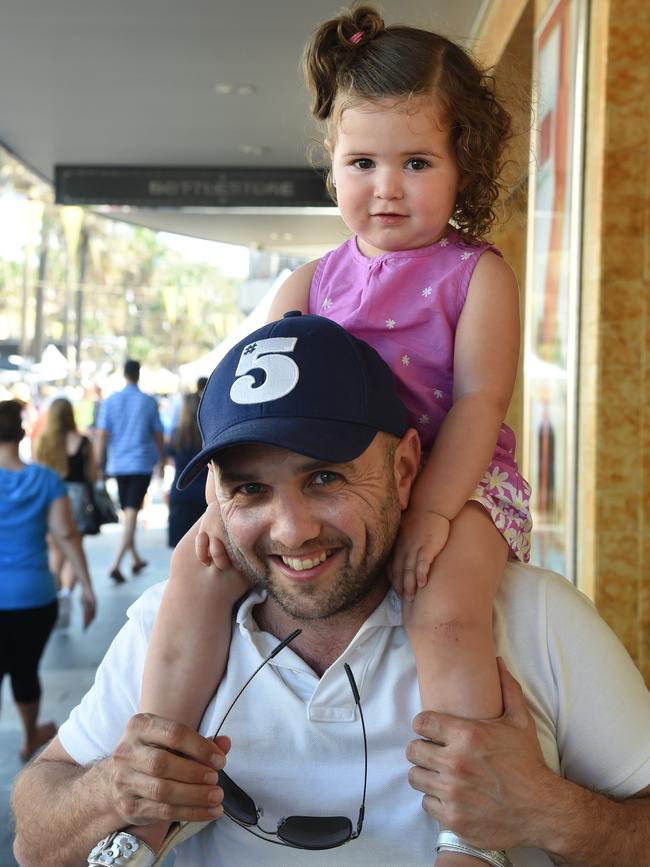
x,y
129,426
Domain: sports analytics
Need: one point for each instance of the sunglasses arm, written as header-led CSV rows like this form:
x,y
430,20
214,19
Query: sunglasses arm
x,y
273,653
357,699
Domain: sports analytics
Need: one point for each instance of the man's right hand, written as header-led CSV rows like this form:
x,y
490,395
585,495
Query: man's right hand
x,y
165,770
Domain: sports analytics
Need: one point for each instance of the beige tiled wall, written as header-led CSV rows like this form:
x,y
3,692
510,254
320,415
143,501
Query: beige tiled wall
x,y
613,497
509,236
614,463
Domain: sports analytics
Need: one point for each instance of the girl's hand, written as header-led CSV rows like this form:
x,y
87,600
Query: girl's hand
x,y
211,551
208,544
422,536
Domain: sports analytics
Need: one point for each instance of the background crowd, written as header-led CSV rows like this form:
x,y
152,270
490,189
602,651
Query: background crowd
x,y
69,464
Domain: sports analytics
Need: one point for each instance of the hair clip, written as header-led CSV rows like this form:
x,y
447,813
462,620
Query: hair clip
x,y
357,37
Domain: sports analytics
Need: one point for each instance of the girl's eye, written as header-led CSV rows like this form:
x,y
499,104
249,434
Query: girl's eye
x,y
326,477
363,163
417,165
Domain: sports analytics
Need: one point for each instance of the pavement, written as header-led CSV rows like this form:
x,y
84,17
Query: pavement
x,y
71,656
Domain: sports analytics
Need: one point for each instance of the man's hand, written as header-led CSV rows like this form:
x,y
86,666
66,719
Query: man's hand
x,y
484,779
165,770
422,536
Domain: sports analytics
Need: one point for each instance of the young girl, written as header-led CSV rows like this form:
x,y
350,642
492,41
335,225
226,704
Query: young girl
x,y
416,139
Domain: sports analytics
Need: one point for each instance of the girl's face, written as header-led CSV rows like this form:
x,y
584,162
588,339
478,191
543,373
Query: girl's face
x,y
395,174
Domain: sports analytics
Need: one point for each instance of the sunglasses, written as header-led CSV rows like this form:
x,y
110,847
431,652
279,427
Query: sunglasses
x,y
299,832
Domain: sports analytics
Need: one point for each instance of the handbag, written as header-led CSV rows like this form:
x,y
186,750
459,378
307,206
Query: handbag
x,y
105,511
83,507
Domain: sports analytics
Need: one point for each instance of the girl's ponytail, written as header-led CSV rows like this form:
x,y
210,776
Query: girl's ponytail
x,y
332,51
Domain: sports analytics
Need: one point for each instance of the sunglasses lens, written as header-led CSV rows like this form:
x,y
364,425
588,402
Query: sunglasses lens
x,y
315,832
236,802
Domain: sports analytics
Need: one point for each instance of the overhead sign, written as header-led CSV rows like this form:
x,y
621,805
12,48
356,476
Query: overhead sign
x,y
160,187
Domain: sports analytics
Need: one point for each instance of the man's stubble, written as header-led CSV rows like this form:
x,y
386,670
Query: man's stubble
x,y
353,583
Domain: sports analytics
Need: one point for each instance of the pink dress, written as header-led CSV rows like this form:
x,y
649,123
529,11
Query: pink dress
x,y
407,305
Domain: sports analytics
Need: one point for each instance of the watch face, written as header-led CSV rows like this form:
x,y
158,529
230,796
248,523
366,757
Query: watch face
x,y
116,849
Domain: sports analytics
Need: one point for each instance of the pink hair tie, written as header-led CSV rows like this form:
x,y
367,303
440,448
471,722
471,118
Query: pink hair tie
x,y
357,37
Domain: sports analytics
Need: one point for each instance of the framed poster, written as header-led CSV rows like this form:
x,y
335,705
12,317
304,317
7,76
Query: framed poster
x,y
552,281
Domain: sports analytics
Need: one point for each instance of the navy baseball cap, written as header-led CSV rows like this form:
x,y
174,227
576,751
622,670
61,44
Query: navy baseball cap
x,y
304,384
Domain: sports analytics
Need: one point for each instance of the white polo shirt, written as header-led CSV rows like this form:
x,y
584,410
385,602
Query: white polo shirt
x,y
297,746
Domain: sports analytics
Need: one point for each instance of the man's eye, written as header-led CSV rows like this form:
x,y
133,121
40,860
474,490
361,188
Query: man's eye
x,y
249,489
417,165
363,163
326,477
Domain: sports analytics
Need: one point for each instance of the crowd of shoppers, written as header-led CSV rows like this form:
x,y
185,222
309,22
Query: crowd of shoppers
x,y
52,455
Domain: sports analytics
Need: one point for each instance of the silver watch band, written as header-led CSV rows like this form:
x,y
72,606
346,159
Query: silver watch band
x,y
449,842
120,848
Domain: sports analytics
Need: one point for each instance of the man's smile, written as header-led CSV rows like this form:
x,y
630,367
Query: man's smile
x,y
307,561
307,566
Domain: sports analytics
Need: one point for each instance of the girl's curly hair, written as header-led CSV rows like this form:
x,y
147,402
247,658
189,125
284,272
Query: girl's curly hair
x,y
354,56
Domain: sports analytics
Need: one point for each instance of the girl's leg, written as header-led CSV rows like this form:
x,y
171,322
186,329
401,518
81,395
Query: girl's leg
x,y
188,648
449,622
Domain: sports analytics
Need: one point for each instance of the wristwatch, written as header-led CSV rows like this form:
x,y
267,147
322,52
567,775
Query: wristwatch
x,y
121,848
449,842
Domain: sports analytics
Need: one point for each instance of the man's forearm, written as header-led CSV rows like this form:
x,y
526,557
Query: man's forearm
x,y
61,811
591,830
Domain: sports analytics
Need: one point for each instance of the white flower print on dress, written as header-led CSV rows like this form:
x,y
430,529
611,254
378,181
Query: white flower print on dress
x,y
494,479
406,360
426,292
519,501
465,256
390,323
327,303
424,419
438,394
443,242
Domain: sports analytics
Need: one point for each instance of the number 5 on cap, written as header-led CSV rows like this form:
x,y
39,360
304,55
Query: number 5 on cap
x,y
282,373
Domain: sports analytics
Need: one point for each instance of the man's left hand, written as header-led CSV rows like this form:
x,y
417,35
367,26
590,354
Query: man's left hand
x,y
484,779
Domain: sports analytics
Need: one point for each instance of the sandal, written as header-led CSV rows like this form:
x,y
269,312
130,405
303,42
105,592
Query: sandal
x,y
139,566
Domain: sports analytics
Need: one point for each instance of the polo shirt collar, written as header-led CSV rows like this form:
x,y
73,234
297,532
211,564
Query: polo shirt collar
x,y
387,614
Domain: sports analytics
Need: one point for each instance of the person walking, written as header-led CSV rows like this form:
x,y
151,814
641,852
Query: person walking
x,y
188,505
130,436
33,503
69,453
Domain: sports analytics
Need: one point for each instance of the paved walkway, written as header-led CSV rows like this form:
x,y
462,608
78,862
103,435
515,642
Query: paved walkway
x,y
71,657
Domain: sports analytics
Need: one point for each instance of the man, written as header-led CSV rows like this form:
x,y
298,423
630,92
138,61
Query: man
x,y
129,425
313,465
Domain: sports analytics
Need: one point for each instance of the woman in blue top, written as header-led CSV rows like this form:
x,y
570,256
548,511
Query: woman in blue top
x,y
33,502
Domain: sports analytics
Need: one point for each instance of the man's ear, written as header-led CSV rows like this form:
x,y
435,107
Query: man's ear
x,y
407,465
